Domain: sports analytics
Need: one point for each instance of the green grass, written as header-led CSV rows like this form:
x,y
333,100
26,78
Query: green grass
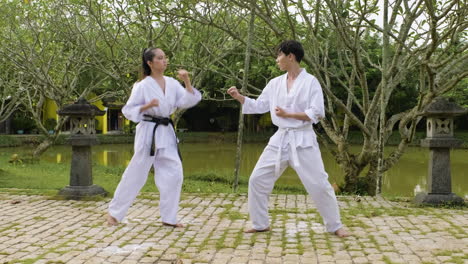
x,y
187,205
232,215
220,242
8,227
370,212
446,252
46,178
387,260
282,211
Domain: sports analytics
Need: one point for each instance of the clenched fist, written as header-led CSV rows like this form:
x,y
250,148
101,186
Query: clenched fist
x,y
183,75
233,92
153,103
280,112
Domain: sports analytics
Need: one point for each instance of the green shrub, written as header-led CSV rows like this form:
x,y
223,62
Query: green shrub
x,y
130,128
9,141
115,139
21,121
50,124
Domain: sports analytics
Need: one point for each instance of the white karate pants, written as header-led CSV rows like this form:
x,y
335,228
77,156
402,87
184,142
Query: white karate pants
x,y
312,174
168,176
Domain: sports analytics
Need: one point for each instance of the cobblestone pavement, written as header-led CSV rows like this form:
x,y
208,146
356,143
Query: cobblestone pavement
x,y
35,229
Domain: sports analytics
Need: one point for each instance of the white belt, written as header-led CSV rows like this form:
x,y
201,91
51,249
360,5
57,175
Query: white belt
x,y
289,131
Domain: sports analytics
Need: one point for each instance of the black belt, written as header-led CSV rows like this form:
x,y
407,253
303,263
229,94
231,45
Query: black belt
x,y
160,121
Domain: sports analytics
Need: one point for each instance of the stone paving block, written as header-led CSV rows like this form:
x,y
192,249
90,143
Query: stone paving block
x,y
343,261
95,260
239,260
361,260
41,261
342,255
74,232
220,261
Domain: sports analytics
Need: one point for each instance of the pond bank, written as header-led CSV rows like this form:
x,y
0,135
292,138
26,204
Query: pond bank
x,y
208,167
355,138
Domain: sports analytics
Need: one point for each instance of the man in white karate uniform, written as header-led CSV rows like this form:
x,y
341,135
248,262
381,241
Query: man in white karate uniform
x,y
152,101
295,101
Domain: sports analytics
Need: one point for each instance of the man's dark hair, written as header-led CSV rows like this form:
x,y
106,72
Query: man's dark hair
x,y
291,46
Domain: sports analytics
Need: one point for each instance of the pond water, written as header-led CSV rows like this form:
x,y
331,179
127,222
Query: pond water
x,y
408,176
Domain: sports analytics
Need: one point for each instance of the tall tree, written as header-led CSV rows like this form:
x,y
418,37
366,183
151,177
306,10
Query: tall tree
x,y
127,27
245,80
426,35
11,89
43,43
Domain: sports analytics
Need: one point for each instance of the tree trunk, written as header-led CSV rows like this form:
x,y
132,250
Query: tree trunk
x,y
355,183
244,90
240,134
383,105
177,115
373,177
353,166
351,172
41,148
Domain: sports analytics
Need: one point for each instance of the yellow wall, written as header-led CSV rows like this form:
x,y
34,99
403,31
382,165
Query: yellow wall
x,y
102,119
50,110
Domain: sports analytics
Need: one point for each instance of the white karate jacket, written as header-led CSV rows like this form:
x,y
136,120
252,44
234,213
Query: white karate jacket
x,y
142,93
304,96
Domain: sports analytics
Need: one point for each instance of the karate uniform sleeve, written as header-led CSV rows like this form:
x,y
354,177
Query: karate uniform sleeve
x,y
131,109
258,106
316,108
186,99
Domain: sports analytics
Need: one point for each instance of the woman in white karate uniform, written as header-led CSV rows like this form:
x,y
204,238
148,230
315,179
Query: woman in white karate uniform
x,y
152,101
295,101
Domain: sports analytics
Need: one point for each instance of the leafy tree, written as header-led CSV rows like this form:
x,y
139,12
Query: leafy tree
x,y
361,65
43,43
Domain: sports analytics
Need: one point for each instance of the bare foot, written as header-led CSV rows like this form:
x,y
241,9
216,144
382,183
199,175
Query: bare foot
x,y
111,221
256,231
172,225
342,233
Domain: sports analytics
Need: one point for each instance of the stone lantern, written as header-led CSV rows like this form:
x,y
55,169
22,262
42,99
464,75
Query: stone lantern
x,y
440,140
82,137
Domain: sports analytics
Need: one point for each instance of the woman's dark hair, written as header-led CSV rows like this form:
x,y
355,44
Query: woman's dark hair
x,y
148,55
291,46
